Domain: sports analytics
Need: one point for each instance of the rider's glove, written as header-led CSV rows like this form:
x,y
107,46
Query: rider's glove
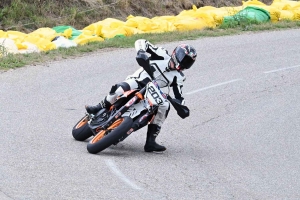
x,y
142,58
180,101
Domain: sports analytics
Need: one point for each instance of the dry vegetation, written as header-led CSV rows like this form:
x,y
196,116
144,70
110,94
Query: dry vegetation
x,y
28,15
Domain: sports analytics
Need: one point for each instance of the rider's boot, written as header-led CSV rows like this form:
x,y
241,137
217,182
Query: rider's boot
x,y
151,145
94,109
105,103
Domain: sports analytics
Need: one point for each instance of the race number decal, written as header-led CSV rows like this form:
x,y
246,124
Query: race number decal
x,y
155,95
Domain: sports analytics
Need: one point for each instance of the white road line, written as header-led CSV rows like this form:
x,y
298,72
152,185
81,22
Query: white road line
x,y
282,69
212,86
118,173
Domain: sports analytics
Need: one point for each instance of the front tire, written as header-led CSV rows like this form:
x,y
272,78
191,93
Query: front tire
x,y
111,135
81,131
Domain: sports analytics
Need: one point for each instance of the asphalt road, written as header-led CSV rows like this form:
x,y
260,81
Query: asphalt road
x,y
240,142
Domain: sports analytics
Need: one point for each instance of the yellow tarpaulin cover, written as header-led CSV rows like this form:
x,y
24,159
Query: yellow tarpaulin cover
x,y
41,43
45,33
82,39
287,15
253,3
164,24
208,19
3,34
218,14
283,4
110,27
190,23
16,36
41,38
142,23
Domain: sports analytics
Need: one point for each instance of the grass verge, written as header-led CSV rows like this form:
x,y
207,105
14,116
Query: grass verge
x,y
12,61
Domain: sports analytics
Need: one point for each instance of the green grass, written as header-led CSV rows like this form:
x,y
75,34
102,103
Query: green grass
x,y
19,60
2,51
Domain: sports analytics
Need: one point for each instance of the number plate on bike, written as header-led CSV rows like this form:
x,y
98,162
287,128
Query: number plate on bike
x,y
153,94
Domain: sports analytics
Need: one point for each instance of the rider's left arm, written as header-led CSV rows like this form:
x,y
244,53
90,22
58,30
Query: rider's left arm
x,y
177,90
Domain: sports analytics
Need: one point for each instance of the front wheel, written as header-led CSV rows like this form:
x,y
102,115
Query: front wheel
x,y
81,131
111,135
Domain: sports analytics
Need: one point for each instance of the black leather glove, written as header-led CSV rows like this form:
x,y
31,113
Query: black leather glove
x,y
142,58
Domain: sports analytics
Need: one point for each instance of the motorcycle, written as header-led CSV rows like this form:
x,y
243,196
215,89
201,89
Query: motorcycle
x,y
133,110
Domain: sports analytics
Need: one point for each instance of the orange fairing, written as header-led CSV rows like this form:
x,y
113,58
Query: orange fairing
x,y
139,95
127,93
102,133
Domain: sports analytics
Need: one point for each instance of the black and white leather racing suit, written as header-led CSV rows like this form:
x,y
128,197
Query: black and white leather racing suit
x,y
160,60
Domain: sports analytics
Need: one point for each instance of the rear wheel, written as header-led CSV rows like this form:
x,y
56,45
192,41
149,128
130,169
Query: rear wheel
x,y
81,131
111,135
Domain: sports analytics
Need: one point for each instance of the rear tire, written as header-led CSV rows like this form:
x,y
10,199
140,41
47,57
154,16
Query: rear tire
x,y
116,131
81,131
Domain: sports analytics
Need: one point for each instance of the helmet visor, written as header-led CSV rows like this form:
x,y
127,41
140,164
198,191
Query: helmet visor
x,y
187,62
180,54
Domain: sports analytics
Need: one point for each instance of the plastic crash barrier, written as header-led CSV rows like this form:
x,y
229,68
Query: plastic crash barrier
x,y
251,13
45,39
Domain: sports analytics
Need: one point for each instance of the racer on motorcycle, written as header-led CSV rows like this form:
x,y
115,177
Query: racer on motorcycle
x,y
168,72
